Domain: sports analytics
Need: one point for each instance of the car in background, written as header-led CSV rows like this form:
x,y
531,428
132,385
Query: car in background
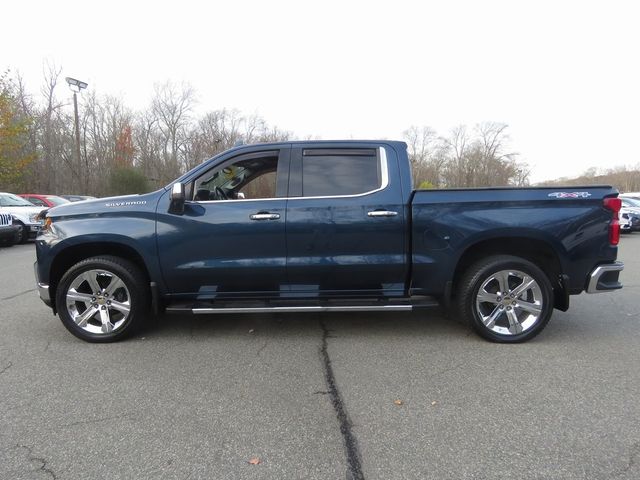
x,y
630,209
630,202
626,222
77,198
25,215
9,232
635,195
44,200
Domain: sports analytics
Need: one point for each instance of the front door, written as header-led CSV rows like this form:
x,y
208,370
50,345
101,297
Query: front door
x,y
230,241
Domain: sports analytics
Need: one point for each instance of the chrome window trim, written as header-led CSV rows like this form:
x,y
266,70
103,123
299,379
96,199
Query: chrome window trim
x,y
384,171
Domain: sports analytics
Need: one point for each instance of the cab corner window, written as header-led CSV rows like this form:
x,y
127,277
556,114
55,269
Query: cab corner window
x,y
327,172
249,177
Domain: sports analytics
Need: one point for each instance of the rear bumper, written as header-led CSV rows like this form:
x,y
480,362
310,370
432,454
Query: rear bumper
x,y
43,288
604,278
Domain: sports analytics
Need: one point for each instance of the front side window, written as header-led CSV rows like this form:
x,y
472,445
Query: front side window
x,y
340,172
246,178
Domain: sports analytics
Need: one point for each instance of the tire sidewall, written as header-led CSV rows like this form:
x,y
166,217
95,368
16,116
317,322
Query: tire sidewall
x,y
22,236
137,299
524,266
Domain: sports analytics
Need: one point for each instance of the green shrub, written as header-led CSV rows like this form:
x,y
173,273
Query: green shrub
x,y
127,180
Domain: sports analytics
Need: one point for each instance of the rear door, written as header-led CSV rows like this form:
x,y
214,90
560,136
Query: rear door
x,y
345,221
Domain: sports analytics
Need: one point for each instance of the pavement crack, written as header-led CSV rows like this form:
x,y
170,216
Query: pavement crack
x,y
18,294
354,464
264,345
4,369
33,458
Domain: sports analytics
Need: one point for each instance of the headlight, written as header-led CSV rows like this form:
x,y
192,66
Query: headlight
x,y
34,218
47,224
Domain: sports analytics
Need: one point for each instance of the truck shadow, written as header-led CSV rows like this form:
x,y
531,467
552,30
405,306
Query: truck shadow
x,y
432,323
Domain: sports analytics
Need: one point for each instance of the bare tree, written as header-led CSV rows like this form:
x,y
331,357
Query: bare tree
x,y
172,106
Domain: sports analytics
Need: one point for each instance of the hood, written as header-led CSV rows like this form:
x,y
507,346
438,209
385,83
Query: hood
x,y
125,203
22,211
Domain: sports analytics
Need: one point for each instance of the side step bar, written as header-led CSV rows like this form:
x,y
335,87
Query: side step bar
x,y
387,307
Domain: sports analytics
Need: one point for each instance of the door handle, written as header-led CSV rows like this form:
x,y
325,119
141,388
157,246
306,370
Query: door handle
x,y
382,213
264,216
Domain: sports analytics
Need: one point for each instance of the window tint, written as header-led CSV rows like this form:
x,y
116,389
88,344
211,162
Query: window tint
x,y
332,173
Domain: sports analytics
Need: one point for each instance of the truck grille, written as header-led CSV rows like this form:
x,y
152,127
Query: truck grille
x,y
5,219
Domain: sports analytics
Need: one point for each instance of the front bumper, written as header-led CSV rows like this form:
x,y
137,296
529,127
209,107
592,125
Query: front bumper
x,y
604,278
33,230
43,288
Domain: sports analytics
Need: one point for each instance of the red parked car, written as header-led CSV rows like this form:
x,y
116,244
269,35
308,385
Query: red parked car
x,y
44,200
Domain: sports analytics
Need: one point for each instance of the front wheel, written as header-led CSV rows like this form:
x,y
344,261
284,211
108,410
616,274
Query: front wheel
x,y
505,299
23,234
102,299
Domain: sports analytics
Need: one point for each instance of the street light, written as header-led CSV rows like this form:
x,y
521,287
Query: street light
x,y
75,86
79,84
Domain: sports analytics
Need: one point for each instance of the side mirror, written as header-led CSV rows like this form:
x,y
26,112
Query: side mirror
x,y
177,199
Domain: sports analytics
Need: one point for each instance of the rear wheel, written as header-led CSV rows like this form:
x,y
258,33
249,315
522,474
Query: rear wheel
x,y
102,299
505,299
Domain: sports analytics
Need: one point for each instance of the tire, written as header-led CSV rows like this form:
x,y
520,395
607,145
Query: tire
x,y
505,318
23,234
116,312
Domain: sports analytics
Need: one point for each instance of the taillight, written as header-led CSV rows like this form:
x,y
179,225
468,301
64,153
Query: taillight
x,y
613,204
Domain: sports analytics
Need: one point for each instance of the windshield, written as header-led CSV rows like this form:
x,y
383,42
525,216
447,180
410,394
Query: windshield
x,y
56,200
10,200
633,202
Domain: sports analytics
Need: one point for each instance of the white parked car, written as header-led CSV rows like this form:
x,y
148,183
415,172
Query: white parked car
x,y
631,211
25,215
625,221
8,231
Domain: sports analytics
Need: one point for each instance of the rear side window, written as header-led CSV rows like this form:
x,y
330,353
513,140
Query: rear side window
x,y
340,172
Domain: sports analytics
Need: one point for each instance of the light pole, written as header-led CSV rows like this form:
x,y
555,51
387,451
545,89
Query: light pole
x,y
76,86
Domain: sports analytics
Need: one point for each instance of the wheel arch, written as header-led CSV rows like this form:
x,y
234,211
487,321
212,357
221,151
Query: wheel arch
x,y
537,250
73,254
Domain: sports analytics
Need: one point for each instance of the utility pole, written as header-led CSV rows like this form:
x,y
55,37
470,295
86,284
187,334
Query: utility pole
x,y
76,86
77,124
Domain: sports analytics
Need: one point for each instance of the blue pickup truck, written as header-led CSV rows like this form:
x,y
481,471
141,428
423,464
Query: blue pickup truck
x,y
326,226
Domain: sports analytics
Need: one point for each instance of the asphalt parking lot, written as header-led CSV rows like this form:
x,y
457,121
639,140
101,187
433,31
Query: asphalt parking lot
x,y
199,397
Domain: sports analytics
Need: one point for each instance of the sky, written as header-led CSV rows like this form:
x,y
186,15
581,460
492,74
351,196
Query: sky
x,y
564,75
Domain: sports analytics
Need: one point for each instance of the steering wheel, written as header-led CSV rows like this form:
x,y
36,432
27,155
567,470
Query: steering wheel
x,y
219,194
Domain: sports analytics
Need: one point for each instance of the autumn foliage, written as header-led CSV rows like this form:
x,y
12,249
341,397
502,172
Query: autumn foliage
x,y
14,154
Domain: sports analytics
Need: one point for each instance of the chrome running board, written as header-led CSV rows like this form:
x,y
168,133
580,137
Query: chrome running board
x,y
386,307
314,308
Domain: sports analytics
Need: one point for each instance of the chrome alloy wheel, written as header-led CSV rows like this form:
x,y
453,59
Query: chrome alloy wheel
x,y
509,302
98,301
